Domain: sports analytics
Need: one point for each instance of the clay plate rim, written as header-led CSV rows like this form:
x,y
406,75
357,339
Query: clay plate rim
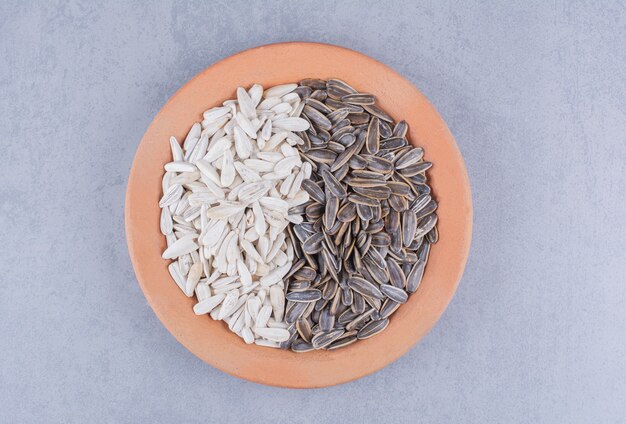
x,y
212,341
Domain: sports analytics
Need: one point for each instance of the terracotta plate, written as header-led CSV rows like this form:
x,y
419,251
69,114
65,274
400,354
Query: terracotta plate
x,y
212,341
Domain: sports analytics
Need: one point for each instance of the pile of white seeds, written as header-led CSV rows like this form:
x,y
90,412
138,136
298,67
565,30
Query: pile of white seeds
x,y
225,210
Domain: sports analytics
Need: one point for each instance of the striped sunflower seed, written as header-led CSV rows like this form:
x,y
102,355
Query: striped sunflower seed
x,y
400,129
373,137
364,287
334,186
388,308
314,190
303,327
359,99
313,244
394,293
321,340
317,118
311,295
301,346
342,342
372,328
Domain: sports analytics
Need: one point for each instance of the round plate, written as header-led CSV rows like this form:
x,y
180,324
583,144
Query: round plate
x,y
212,341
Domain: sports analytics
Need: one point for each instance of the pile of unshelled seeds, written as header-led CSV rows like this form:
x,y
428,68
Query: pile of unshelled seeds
x,y
299,215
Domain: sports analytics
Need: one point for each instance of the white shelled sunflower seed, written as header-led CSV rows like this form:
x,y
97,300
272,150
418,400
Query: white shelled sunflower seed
x,y
225,210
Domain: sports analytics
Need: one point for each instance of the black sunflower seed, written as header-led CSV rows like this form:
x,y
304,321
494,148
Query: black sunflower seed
x,y
333,185
359,99
364,287
310,295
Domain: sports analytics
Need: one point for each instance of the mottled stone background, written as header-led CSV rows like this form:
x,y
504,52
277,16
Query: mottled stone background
x,y
534,93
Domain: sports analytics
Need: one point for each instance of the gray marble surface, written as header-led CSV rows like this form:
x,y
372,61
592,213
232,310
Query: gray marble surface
x,y
535,96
